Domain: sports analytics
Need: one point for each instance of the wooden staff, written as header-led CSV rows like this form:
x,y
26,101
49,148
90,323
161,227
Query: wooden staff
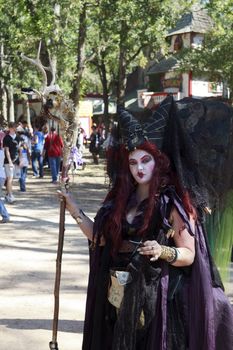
x,y
69,138
64,181
53,345
57,107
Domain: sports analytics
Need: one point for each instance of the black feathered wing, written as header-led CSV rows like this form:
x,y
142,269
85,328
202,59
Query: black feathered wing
x,y
199,140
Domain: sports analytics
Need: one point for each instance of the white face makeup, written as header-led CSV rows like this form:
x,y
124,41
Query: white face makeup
x,y
141,164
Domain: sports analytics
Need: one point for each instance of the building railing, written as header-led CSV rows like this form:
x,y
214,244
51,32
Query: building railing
x,y
150,99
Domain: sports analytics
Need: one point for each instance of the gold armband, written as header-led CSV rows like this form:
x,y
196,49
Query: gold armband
x,y
170,254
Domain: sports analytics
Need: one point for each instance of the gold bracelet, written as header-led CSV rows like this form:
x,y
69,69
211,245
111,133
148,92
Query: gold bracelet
x,y
170,254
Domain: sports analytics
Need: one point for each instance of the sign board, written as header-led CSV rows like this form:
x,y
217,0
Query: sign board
x,y
201,88
85,108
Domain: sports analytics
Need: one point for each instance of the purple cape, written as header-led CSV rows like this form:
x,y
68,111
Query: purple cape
x,y
210,315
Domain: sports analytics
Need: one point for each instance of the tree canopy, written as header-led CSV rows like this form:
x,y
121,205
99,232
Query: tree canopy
x,y
95,44
116,33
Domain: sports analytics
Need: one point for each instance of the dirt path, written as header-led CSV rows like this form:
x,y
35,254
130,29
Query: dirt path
x,y
28,258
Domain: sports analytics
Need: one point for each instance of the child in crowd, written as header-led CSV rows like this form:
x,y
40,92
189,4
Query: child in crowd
x,y
76,159
24,160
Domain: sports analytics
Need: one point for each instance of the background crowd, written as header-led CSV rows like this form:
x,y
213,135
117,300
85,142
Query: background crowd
x,y
22,146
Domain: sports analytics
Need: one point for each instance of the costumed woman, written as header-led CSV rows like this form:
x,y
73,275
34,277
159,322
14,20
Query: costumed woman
x,y
152,282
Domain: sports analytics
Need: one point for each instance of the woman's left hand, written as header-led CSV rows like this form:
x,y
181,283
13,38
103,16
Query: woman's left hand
x,y
151,248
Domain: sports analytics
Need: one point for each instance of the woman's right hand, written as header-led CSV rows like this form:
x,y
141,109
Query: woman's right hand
x,y
71,205
83,221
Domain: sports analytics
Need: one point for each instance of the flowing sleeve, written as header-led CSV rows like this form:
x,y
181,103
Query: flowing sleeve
x,y
210,313
170,200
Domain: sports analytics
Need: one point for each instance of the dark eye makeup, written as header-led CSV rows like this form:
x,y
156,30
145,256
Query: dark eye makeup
x,y
146,159
132,162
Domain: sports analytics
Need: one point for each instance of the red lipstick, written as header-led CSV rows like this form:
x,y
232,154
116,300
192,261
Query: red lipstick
x,y
140,174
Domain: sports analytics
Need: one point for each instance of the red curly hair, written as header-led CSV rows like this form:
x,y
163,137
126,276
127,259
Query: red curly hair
x,y
124,186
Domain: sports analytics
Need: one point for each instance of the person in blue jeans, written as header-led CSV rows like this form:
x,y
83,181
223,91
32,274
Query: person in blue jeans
x,y
54,145
37,153
4,213
55,163
24,160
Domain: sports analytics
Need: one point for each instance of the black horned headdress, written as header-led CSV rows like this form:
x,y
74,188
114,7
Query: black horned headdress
x,y
135,133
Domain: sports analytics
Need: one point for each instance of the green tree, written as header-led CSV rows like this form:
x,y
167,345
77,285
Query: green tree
x,y
113,35
125,31
26,23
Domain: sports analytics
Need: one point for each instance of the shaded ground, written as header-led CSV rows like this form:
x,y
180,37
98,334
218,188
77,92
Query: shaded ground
x,y
28,257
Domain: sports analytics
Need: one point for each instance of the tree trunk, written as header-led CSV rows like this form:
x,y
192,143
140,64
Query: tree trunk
x,y
3,98
121,83
3,95
76,91
104,81
75,94
121,80
26,110
11,103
